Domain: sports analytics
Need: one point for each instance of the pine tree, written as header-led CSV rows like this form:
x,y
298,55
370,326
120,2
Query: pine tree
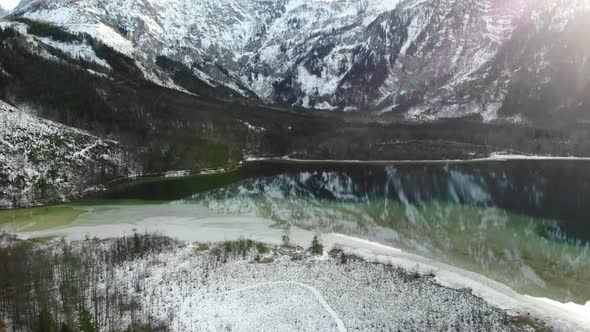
x,y
316,247
86,322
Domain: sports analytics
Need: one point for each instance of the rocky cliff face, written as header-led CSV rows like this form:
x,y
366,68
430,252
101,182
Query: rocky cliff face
x,y
518,60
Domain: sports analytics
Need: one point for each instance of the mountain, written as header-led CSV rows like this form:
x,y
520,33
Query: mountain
x,y
517,60
95,91
3,11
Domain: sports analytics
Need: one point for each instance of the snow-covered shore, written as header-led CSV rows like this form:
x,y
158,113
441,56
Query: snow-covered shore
x,y
195,225
496,156
247,286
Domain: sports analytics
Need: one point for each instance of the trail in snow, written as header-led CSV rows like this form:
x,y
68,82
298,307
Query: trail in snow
x,y
315,292
82,153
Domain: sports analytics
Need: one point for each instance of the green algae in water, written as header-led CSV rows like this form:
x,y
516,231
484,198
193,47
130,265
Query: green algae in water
x,y
41,218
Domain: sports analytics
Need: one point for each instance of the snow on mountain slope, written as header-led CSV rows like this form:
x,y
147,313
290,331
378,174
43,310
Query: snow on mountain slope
x,y
41,160
548,64
446,46
426,59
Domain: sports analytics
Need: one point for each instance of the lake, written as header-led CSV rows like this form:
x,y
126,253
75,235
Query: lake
x,y
523,223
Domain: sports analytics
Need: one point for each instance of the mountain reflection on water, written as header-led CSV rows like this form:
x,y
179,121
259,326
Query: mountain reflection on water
x,y
525,224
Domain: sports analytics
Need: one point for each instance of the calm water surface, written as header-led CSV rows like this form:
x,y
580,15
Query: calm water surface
x,y
523,223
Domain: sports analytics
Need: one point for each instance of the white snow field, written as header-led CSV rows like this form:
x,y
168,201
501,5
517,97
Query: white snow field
x,y
196,292
287,294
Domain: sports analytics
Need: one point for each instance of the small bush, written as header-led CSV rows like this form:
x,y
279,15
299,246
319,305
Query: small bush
x,y
202,247
316,247
261,248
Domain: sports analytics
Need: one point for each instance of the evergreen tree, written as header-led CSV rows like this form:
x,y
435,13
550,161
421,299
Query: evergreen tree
x,y
316,247
86,322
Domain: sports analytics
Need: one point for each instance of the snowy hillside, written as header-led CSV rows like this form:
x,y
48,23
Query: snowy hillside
x,y
422,59
44,161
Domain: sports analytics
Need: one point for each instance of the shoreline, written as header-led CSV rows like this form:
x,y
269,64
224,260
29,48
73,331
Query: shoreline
x,y
561,316
492,158
179,174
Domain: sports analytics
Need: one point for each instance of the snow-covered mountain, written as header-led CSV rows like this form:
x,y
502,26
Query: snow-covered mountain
x,y
424,59
3,11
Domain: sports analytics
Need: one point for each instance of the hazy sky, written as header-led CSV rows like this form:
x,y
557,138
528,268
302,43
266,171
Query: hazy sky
x,y
9,4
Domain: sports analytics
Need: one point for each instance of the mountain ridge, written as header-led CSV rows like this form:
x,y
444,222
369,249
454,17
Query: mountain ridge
x,y
411,59
62,64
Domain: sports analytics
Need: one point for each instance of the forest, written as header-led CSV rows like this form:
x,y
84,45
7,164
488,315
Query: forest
x,y
56,287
